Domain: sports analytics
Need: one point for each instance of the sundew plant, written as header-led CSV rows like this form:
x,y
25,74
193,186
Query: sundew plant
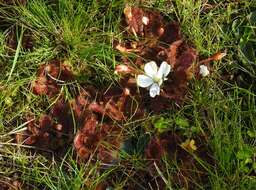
x,y
148,95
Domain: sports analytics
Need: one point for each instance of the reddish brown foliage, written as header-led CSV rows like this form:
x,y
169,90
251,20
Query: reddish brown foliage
x,y
126,100
190,170
110,109
215,57
150,24
154,150
51,131
98,135
50,77
123,69
94,138
7,184
111,104
13,2
97,113
161,41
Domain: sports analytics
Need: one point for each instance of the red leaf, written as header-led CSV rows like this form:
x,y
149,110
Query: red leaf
x,y
124,69
215,57
172,53
49,75
142,22
171,33
39,86
113,112
134,20
154,149
45,123
30,140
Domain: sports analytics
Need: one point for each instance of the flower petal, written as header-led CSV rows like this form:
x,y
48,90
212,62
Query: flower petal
x,y
154,90
151,69
144,81
164,70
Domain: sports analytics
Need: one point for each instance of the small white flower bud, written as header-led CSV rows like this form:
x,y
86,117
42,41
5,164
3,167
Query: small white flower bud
x,y
204,70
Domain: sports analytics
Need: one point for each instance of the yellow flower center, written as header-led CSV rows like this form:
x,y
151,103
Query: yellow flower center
x,y
157,79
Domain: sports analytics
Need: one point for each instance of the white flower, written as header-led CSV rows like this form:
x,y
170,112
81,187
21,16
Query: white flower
x,y
153,77
204,71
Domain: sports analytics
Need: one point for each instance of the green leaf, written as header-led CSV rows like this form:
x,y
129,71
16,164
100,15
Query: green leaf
x,y
254,165
244,154
161,123
248,161
182,122
251,133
